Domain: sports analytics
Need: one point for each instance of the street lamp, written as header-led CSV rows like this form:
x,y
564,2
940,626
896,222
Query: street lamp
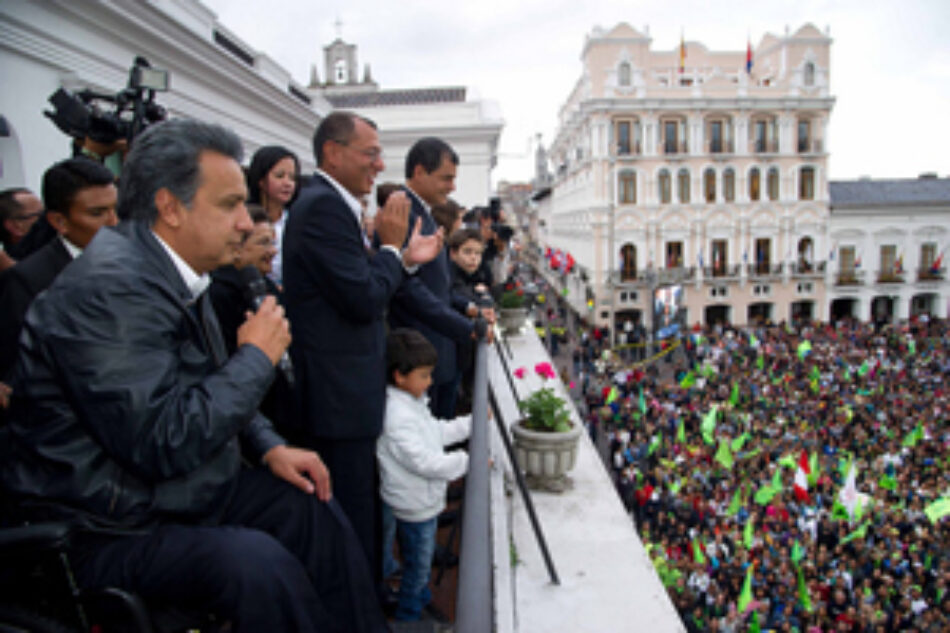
x,y
651,278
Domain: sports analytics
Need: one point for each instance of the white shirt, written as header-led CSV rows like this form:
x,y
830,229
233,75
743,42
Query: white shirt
x,y
275,264
195,283
73,250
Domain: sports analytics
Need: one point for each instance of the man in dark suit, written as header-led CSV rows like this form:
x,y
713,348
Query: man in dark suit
x,y
129,415
423,301
335,293
80,199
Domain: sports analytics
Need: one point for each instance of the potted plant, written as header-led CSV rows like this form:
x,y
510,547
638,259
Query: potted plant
x,y
512,312
545,438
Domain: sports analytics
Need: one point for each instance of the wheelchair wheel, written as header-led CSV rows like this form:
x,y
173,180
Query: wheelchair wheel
x,y
17,619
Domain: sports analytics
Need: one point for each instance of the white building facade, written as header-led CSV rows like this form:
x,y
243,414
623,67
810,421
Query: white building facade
x,y
685,167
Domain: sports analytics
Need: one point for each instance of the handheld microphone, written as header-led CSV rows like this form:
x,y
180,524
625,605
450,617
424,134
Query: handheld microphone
x,y
255,290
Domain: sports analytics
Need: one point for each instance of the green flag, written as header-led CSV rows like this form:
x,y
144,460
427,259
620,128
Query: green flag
x,y
738,443
724,455
698,556
815,373
675,487
917,434
863,369
747,533
764,495
938,509
760,362
754,623
612,395
788,461
887,482
643,402
736,503
813,468
745,596
681,432
911,347
734,396
777,480
797,552
752,340
803,596
688,380
839,512
655,443
709,425
861,532
803,348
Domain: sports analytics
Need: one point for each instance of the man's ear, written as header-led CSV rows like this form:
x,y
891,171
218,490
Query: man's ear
x,y
418,171
169,208
57,220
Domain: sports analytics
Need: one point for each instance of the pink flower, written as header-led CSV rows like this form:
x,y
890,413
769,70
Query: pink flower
x,y
571,386
545,370
519,373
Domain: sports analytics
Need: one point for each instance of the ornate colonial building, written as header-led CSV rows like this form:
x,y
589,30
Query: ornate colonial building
x,y
696,167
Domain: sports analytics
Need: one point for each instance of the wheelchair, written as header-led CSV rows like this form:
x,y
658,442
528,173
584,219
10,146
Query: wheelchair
x,y
38,593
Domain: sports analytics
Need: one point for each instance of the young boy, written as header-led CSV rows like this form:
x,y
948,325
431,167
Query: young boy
x,y
413,465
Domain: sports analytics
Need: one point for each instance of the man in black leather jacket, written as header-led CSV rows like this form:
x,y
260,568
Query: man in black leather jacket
x,y
129,416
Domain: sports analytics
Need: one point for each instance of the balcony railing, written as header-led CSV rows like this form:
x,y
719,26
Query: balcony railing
x,y
810,146
850,277
890,276
762,146
720,147
671,147
807,269
764,270
629,149
722,271
929,273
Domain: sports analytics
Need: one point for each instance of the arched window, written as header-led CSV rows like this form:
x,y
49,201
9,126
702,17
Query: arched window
x,y
623,73
709,184
628,262
773,183
682,185
627,187
729,184
754,183
806,255
806,184
339,69
809,74
663,184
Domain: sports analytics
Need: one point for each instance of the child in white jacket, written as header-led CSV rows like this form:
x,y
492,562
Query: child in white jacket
x,y
413,465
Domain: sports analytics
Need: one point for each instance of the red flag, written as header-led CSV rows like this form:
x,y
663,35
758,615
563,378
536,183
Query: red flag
x,y
935,267
748,58
801,477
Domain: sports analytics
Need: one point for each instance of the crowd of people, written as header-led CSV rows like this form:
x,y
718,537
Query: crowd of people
x,y
787,479
196,369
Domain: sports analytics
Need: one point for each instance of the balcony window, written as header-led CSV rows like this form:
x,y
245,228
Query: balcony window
x,y
804,135
806,255
809,78
627,136
763,255
806,184
720,257
773,183
623,74
663,184
674,254
682,185
674,136
729,184
764,135
627,186
709,184
715,137
889,261
628,262
754,183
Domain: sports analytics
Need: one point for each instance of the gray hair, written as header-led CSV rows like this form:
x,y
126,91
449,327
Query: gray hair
x,y
166,156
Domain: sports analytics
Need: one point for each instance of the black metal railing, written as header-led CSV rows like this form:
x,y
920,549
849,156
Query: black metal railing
x,y
474,599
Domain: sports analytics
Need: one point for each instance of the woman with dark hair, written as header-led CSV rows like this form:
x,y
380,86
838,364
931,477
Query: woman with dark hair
x,y
272,183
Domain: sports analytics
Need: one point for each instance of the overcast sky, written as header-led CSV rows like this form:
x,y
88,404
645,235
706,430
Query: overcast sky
x,y
890,59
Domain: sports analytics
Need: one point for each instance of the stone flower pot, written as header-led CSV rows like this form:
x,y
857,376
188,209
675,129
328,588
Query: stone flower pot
x,y
511,320
546,457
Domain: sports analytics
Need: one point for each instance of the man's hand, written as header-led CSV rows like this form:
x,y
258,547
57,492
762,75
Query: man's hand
x,y
291,464
5,391
422,248
267,329
489,315
392,221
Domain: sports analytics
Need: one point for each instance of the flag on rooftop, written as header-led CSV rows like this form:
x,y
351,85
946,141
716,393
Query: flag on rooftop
x,y
682,53
748,57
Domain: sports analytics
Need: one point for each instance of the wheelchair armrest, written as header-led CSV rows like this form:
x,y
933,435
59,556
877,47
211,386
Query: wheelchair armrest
x,y
21,539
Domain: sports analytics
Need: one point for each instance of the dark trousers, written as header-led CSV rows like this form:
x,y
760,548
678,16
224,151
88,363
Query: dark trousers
x,y
443,397
355,478
279,560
